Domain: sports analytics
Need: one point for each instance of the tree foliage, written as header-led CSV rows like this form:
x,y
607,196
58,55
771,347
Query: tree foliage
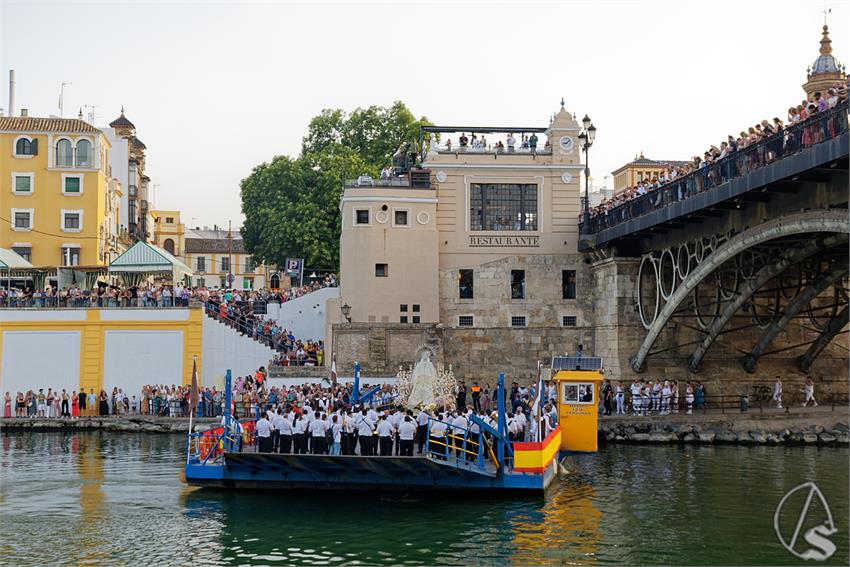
x,y
291,205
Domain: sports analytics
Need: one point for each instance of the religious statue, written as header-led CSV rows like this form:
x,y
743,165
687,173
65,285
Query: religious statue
x,y
432,144
423,382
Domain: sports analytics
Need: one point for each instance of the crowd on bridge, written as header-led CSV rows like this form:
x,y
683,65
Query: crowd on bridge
x,y
779,139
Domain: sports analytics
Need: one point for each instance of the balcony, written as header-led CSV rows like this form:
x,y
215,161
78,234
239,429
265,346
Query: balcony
x,y
415,179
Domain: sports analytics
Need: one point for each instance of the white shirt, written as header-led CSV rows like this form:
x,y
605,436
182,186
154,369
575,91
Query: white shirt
x,y
283,425
460,424
384,428
264,428
372,415
364,426
422,418
318,428
298,427
406,430
438,429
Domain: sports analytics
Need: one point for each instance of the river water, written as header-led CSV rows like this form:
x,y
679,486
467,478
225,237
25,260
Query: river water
x,y
119,499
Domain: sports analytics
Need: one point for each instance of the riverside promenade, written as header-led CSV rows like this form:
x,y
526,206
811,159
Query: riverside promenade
x,y
130,424
822,425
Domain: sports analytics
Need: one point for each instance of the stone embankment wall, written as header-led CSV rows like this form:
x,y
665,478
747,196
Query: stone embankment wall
x,y
119,424
826,430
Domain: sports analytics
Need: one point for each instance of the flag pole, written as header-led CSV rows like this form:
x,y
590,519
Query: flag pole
x,y
193,401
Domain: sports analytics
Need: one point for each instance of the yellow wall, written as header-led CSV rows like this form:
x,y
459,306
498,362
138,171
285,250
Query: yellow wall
x,y
93,331
579,422
47,199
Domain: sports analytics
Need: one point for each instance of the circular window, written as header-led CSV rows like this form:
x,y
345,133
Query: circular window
x,y
382,217
423,218
384,207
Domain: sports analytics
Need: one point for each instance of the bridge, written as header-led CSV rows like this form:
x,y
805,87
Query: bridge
x,y
744,261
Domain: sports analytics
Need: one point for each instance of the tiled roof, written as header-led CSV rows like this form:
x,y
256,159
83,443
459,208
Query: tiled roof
x,y
213,245
138,143
121,121
33,124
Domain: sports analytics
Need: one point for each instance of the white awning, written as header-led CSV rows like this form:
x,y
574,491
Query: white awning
x,y
145,258
11,260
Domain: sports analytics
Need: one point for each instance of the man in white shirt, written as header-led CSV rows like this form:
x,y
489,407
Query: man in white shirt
x,y
364,433
406,432
318,430
437,433
459,427
422,428
385,436
264,434
283,427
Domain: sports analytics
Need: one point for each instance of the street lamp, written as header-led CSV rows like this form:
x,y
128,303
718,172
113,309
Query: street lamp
x,y
346,311
586,138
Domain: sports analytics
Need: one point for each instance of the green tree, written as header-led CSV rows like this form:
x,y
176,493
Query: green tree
x,y
291,206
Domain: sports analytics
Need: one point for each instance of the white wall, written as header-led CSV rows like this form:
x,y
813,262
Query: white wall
x,y
304,316
132,359
119,154
224,348
40,359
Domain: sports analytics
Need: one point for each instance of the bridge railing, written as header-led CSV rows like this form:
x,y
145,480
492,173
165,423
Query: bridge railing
x,y
793,139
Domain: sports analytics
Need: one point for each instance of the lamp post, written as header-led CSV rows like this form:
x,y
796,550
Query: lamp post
x,y
346,311
586,138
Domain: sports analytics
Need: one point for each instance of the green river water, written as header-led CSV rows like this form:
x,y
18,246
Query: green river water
x,y
119,499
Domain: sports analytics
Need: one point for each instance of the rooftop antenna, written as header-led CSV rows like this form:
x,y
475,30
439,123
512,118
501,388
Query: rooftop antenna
x,y
62,98
90,108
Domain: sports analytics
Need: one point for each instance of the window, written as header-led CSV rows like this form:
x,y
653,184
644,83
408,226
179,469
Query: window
x,y
225,264
400,218
24,252
84,153
517,284
64,154
22,183
380,270
568,321
250,264
247,283
22,219
72,221
518,321
416,318
72,184
568,284
168,244
464,284
416,308
169,220
361,216
573,393
403,307
402,319
223,283
200,282
202,264
465,321
26,147
70,256
503,206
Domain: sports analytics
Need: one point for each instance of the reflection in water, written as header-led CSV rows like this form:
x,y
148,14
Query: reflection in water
x,y
119,499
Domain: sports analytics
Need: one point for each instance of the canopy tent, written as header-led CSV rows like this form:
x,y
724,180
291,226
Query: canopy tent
x,y
11,261
84,276
143,260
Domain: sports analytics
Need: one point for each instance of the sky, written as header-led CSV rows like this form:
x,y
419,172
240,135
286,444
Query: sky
x,y
216,88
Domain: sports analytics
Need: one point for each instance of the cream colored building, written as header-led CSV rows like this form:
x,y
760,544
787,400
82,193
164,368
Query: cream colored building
x,y
825,71
487,239
640,169
214,254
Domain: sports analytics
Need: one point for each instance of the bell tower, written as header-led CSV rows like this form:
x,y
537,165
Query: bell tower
x,y
826,70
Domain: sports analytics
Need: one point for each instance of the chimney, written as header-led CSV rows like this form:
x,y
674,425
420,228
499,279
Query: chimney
x,y
11,92
24,113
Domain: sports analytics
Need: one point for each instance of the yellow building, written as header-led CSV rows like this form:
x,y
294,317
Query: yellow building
x,y
640,169
168,232
55,191
214,254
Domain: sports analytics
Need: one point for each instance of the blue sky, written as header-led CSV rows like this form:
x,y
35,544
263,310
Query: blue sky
x,y
215,88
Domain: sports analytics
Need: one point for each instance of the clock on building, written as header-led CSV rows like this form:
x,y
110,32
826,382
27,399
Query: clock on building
x,y
566,144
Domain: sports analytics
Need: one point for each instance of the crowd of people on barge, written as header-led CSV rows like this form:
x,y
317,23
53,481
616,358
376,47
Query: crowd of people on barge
x,y
783,143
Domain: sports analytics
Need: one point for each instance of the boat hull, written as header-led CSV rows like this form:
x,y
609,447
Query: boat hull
x,y
269,471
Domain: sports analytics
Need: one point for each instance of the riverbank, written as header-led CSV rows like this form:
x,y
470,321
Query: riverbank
x,y
775,428
132,423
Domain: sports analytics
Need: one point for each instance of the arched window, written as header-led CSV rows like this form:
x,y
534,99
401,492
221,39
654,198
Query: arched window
x,y
24,147
168,245
64,153
275,282
83,153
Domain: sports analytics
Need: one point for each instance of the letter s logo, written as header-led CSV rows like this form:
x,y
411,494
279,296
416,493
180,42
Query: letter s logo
x,y
816,537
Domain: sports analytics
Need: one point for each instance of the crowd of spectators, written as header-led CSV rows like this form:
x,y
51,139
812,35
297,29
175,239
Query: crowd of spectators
x,y
56,404
782,141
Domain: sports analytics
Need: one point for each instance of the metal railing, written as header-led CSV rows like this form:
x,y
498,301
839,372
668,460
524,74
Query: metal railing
x,y
89,302
461,448
491,150
793,139
792,402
